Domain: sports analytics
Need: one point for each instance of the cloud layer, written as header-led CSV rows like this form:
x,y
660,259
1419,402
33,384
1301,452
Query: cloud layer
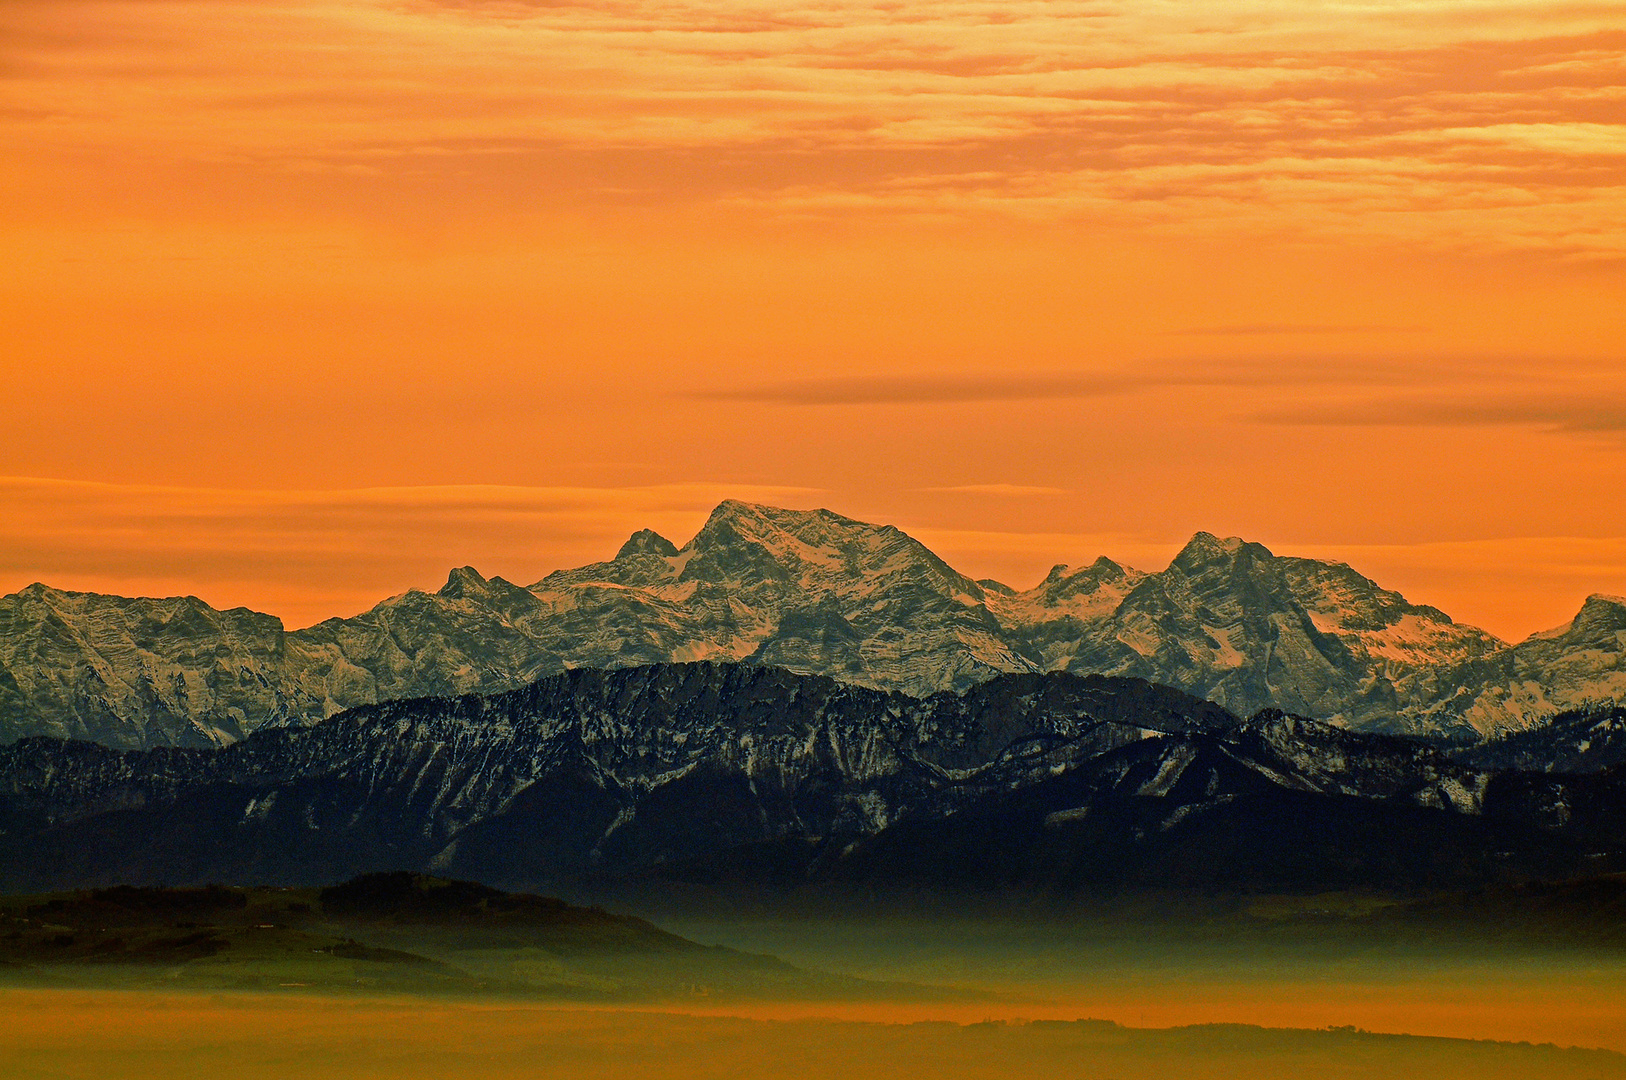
x,y
1491,124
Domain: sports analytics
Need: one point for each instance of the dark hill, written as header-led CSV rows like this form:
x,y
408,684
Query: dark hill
x,y
1056,784
392,931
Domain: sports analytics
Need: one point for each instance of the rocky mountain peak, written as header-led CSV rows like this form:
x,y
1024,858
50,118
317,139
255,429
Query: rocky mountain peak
x,y
734,522
1065,583
463,582
1601,614
743,544
815,592
1205,549
647,542
1603,605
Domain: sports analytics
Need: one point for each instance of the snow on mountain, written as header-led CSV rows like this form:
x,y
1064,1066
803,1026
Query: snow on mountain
x,y
743,773
1571,667
1068,597
589,768
814,592
1584,740
81,665
1230,621
808,590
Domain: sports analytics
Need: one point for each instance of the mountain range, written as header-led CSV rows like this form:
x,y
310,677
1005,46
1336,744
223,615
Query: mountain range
x,y
816,593
740,774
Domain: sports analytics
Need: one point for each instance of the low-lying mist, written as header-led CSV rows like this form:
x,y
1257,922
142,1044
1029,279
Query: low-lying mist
x,y
1159,973
78,1035
403,975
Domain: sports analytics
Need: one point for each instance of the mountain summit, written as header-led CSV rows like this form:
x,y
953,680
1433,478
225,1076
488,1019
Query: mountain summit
x,y
806,589
815,592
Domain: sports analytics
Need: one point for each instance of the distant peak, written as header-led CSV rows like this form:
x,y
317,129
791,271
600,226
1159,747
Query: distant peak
x,y
462,580
752,521
737,508
1230,545
1101,571
1205,547
1601,611
647,542
731,509
732,515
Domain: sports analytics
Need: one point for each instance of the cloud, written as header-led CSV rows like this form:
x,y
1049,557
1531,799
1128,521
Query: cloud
x,y
927,389
1250,117
1588,414
1006,490
1249,329
1282,372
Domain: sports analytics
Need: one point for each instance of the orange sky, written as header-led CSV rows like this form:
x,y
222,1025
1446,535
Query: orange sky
x,y
303,302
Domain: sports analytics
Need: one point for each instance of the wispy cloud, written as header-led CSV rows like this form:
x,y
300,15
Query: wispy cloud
x,y
927,389
1493,124
1588,414
1015,491
1452,375
1264,329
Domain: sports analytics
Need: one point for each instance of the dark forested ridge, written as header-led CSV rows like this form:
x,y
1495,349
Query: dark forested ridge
x,y
1577,740
1054,784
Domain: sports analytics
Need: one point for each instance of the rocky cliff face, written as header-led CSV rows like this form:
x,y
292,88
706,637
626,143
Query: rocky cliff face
x,y
709,770
1575,666
136,672
817,593
582,770
1230,621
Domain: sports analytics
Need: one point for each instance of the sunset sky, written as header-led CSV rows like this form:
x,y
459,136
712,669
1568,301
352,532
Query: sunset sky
x,y
303,302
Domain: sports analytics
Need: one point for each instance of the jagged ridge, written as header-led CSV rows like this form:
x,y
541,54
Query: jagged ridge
x,y
817,593
705,769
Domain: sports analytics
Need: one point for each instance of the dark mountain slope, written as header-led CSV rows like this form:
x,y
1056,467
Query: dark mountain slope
x,y
738,771
1278,803
581,771
1579,740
